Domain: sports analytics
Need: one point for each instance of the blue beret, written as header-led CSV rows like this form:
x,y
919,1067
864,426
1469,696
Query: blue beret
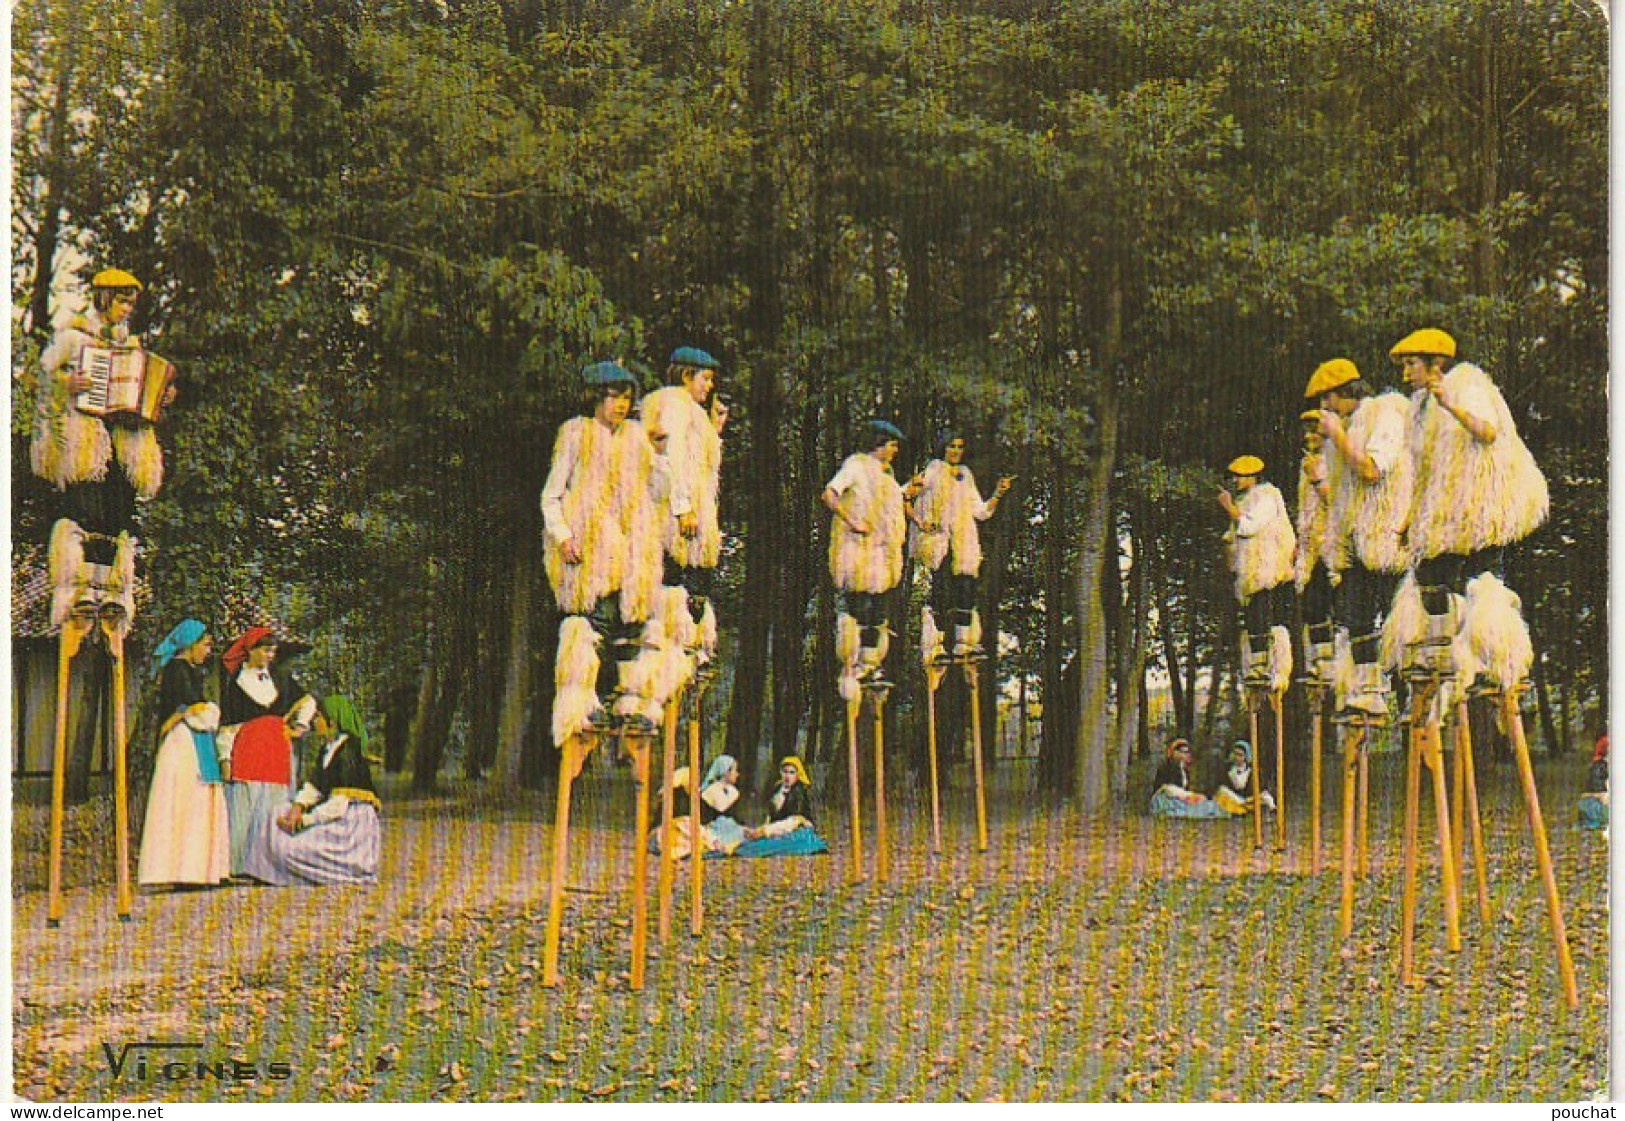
x,y
692,356
604,374
885,428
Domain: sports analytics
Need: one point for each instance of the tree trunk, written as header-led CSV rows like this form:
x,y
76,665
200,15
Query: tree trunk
x,y
1090,776
505,771
425,753
1056,740
50,225
1131,657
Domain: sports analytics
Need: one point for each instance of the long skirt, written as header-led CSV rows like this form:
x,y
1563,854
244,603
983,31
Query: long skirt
x,y
801,841
250,804
187,835
342,851
1164,804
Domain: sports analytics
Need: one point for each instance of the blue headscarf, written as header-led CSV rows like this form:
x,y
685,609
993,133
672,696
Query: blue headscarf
x,y
186,634
720,766
1246,749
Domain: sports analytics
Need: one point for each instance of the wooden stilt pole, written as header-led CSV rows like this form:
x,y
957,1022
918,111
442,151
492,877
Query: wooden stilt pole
x,y
1543,854
1280,771
1353,748
976,755
1258,802
696,853
73,633
856,866
1433,758
668,828
1365,804
571,755
639,748
1464,747
882,846
1458,797
1413,791
933,682
1317,697
121,772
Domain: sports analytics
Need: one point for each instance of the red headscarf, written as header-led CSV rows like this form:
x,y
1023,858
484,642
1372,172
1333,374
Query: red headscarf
x,y
234,658
1600,752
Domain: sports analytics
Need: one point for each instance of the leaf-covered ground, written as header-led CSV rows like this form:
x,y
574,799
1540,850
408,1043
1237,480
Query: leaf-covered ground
x,y
1130,960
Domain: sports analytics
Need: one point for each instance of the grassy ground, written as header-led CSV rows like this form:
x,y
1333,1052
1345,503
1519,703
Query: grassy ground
x,y
1127,960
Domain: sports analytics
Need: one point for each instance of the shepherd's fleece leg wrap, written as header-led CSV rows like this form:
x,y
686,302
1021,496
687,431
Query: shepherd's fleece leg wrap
x,y
574,675
1280,658
1495,631
65,562
930,638
708,631
1406,624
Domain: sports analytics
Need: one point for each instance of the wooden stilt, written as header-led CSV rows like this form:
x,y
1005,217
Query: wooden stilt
x,y
1258,802
1317,698
1433,758
1280,770
1365,804
976,754
933,682
696,864
571,756
668,828
68,643
882,847
638,747
121,772
1353,749
1543,855
1464,748
856,865
1420,696
1458,797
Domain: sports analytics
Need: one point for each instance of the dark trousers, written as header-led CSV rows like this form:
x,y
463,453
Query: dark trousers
x,y
953,597
620,640
1316,598
695,581
1363,598
869,609
1451,571
1271,607
105,508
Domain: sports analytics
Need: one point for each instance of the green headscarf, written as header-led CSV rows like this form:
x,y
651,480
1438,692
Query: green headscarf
x,y
342,715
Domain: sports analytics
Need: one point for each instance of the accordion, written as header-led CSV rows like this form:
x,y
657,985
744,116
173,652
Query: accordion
x,y
127,383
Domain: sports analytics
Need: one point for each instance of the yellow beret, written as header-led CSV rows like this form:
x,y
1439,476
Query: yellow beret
x,y
1310,414
114,278
1247,465
1429,340
1329,375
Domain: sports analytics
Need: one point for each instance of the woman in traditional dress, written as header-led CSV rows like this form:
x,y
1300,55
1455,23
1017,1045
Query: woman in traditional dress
x,y
1171,793
261,714
789,829
186,840
1594,802
328,834
1234,795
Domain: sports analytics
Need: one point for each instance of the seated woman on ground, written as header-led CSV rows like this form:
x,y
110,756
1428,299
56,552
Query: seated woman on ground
x,y
1171,793
1594,802
1235,793
789,829
329,833
786,833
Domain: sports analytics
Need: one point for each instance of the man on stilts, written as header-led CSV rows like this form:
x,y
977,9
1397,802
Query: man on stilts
x,y
101,462
946,541
1455,626
1261,546
604,507
1310,573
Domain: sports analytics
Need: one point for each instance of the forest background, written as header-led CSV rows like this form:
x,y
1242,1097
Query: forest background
x,y
1109,240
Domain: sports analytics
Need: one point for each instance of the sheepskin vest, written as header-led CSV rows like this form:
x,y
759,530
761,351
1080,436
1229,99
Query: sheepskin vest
x,y
873,561
1468,495
73,447
1263,558
951,505
614,505
694,448
1311,530
1368,517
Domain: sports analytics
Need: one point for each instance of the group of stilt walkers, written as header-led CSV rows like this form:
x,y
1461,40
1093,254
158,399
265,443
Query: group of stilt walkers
x,y
632,542
1406,506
